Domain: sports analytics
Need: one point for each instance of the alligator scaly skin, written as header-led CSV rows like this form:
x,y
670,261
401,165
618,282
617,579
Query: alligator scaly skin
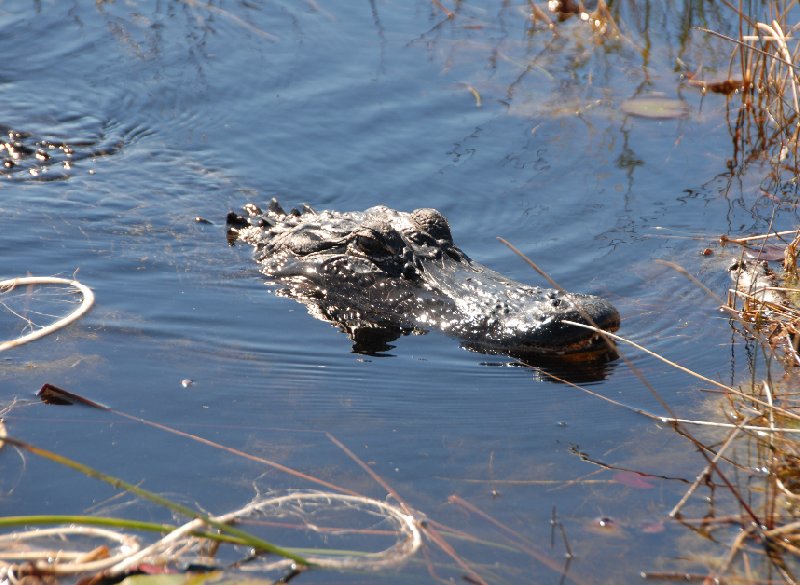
x,y
381,273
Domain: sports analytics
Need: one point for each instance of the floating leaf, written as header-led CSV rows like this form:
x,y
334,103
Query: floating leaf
x,y
633,479
652,527
655,108
768,252
725,87
50,394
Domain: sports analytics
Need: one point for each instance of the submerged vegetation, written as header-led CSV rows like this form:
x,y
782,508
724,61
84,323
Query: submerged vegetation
x,y
743,507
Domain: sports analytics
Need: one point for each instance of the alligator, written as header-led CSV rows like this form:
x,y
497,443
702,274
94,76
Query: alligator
x,y
25,156
380,273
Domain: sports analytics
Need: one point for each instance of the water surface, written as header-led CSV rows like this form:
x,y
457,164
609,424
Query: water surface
x,y
177,110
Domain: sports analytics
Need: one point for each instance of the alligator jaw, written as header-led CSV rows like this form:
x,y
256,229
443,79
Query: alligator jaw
x,y
595,345
586,310
585,344
576,344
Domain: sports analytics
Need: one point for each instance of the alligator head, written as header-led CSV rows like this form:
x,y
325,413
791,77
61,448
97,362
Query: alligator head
x,y
381,273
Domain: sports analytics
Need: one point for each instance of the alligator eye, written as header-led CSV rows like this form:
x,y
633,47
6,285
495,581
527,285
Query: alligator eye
x,y
370,246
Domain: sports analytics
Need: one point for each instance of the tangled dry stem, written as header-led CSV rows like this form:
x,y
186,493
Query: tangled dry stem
x,y
770,87
86,304
765,305
20,554
766,302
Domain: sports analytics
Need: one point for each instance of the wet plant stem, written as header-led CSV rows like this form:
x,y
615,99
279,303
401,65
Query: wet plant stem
x,y
111,522
245,537
8,521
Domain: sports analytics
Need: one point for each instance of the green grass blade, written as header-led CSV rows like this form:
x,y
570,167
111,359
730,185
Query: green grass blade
x,y
245,537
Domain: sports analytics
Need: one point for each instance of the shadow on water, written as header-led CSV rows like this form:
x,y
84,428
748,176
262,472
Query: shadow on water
x,y
588,367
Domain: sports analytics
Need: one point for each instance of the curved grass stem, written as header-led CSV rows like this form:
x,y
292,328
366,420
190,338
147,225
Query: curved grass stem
x,y
245,537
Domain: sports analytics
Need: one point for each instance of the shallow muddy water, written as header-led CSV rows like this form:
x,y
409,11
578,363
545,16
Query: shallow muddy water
x,y
156,113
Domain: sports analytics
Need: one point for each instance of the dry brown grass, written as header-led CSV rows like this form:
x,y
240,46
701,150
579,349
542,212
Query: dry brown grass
x,y
763,73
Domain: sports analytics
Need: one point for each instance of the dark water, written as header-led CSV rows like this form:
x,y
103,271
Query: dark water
x,y
174,110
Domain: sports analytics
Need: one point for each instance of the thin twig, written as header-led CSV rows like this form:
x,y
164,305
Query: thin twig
x,y
703,475
752,48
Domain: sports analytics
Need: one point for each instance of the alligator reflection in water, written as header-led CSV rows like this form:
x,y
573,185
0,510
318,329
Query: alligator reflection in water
x,y
381,273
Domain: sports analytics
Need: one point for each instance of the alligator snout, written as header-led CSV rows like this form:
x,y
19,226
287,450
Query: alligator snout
x,y
535,321
562,337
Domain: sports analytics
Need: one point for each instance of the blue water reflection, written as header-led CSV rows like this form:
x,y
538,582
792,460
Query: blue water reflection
x,y
176,110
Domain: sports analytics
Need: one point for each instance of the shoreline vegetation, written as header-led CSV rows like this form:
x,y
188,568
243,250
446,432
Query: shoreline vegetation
x,y
750,453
